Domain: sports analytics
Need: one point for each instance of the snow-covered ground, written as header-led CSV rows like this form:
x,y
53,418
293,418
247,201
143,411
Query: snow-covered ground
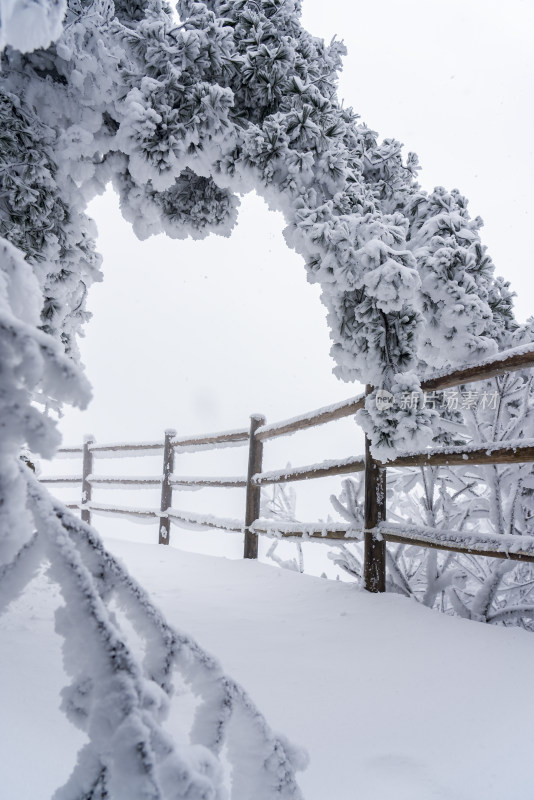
x,y
391,700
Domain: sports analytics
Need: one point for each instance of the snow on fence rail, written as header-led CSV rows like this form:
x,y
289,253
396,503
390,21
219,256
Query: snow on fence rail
x,y
126,511
515,548
235,483
312,419
376,530
322,470
115,480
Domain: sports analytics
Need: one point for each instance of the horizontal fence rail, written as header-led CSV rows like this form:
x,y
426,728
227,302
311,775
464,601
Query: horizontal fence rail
x,y
320,417
103,508
113,480
323,470
217,439
206,520
375,532
66,480
224,483
520,452
507,361
515,548
134,447
69,451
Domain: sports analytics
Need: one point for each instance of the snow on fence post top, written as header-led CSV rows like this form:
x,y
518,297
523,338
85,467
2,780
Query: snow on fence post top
x,y
166,487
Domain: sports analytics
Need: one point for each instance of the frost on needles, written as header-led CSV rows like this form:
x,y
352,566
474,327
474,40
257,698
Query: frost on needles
x,y
184,116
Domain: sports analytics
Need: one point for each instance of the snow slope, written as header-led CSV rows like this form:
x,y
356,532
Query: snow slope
x,y
392,701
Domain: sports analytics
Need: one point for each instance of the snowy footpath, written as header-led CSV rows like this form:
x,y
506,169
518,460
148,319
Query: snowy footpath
x,y
391,700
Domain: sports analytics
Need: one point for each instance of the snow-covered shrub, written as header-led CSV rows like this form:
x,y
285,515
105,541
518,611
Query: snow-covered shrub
x,y
281,505
495,499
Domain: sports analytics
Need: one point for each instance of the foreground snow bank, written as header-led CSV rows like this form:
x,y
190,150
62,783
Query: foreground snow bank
x,y
391,700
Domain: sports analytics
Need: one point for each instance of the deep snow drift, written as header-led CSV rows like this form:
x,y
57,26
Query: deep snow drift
x,y
392,701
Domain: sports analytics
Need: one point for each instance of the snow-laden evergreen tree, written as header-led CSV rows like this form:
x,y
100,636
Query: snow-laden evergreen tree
x,y
180,117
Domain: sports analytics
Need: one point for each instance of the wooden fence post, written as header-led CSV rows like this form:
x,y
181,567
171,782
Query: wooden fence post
x,y
374,558
166,487
252,507
87,469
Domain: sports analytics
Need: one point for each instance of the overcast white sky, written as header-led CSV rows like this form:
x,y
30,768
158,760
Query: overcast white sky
x,y
198,335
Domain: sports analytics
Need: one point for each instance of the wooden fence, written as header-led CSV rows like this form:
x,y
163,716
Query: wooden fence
x,y
376,530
